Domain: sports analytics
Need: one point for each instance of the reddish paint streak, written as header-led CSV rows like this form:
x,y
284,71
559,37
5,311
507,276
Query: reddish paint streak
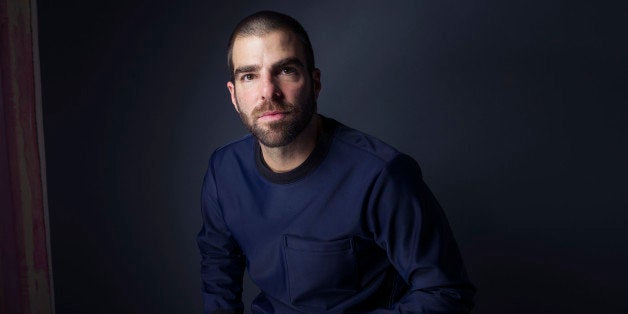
x,y
22,276
12,284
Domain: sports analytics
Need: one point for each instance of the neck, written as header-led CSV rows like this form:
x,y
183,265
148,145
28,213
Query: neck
x,y
288,157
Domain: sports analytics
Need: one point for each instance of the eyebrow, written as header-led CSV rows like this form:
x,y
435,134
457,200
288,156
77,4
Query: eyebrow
x,y
278,64
246,68
288,61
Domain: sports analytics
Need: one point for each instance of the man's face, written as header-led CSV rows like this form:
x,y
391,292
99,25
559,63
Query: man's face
x,y
272,91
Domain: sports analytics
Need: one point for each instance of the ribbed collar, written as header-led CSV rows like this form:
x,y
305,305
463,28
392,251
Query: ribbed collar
x,y
317,155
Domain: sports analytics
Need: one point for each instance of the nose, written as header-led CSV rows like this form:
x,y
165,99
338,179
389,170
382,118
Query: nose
x,y
269,89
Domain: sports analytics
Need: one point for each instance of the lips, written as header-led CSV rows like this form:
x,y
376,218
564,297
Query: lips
x,y
273,115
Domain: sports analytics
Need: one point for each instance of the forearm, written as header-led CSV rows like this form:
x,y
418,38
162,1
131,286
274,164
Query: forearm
x,y
410,225
445,300
222,260
222,283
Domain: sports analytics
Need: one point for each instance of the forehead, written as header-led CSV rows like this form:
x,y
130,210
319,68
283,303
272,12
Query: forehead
x,y
260,50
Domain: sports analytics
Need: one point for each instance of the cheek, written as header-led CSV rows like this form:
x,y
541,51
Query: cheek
x,y
296,91
245,98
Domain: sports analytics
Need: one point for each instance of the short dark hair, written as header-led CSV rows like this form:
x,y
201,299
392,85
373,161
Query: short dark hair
x,y
264,22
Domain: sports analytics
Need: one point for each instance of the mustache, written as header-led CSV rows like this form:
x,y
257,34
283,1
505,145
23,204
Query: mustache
x,y
273,106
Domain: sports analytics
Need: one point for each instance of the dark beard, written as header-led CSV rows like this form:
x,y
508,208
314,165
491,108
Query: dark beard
x,y
281,133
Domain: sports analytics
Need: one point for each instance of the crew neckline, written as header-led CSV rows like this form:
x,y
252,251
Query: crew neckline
x,y
323,140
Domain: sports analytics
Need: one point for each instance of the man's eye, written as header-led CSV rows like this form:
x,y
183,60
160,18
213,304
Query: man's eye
x,y
288,70
246,77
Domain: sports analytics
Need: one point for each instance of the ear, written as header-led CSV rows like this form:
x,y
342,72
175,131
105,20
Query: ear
x,y
316,78
231,88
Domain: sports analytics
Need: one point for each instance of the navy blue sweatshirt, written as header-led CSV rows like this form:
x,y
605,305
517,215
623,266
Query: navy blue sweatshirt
x,y
354,229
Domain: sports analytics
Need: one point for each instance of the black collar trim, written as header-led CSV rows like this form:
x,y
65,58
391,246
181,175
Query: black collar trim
x,y
310,164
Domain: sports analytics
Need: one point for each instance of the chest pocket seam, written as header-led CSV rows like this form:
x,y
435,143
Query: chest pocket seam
x,y
320,274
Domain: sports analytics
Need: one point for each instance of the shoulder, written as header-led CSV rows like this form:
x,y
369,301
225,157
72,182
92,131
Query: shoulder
x,y
364,145
363,148
232,153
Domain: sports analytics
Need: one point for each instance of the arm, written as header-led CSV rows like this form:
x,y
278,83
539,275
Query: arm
x,y
222,261
410,225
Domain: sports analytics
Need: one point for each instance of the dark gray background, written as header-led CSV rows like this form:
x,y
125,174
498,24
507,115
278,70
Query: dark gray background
x,y
516,111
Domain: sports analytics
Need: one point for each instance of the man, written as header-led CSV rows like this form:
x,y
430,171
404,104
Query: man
x,y
326,218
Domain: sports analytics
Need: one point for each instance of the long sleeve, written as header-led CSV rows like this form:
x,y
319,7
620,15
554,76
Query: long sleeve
x,y
410,225
222,261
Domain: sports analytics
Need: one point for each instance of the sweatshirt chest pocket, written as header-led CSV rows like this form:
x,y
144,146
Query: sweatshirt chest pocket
x,y
321,274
